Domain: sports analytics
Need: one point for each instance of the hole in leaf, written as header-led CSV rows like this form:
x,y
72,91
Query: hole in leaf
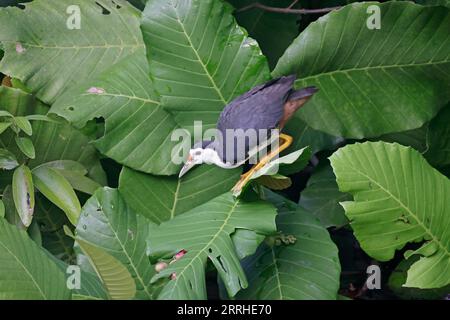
x,y
118,6
104,10
222,264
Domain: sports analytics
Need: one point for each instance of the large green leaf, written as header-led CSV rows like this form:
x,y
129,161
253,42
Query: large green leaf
x,y
199,57
137,129
373,81
322,196
49,57
398,198
26,271
162,198
273,31
108,223
204,233
305,270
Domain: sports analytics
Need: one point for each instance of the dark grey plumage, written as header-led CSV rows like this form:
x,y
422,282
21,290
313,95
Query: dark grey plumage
x,y
260,108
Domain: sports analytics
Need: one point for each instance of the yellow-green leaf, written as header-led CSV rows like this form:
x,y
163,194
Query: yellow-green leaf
x,y
116,278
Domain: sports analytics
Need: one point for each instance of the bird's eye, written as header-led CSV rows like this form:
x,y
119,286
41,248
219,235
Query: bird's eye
x,y
197,153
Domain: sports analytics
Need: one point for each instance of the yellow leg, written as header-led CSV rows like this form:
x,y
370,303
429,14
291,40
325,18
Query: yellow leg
x,y
245,178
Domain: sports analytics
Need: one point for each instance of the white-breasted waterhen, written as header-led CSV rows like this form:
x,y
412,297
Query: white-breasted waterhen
x,y
265,107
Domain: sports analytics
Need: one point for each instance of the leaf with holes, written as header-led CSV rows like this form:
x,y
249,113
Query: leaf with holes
x,y
166,197
204,233
398,198
199,57
52,54
108,223
372,81
308,269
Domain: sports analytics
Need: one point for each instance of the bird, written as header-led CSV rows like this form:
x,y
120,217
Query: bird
x,y
265,107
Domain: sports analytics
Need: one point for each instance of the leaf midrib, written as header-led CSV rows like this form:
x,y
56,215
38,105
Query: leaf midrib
x,y
129,259
105,46
215,87
175,200
277,274
379,67
25,269
225,222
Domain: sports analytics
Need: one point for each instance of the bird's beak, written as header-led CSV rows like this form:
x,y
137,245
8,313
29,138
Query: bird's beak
x,y
187,166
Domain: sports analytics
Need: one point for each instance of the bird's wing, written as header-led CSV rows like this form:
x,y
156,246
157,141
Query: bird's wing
x,y
260,108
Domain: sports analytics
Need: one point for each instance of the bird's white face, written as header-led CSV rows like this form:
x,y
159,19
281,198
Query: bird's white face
x,y
199,156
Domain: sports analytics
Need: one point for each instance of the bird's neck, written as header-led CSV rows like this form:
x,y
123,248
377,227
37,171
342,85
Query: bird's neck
x,y
212,157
